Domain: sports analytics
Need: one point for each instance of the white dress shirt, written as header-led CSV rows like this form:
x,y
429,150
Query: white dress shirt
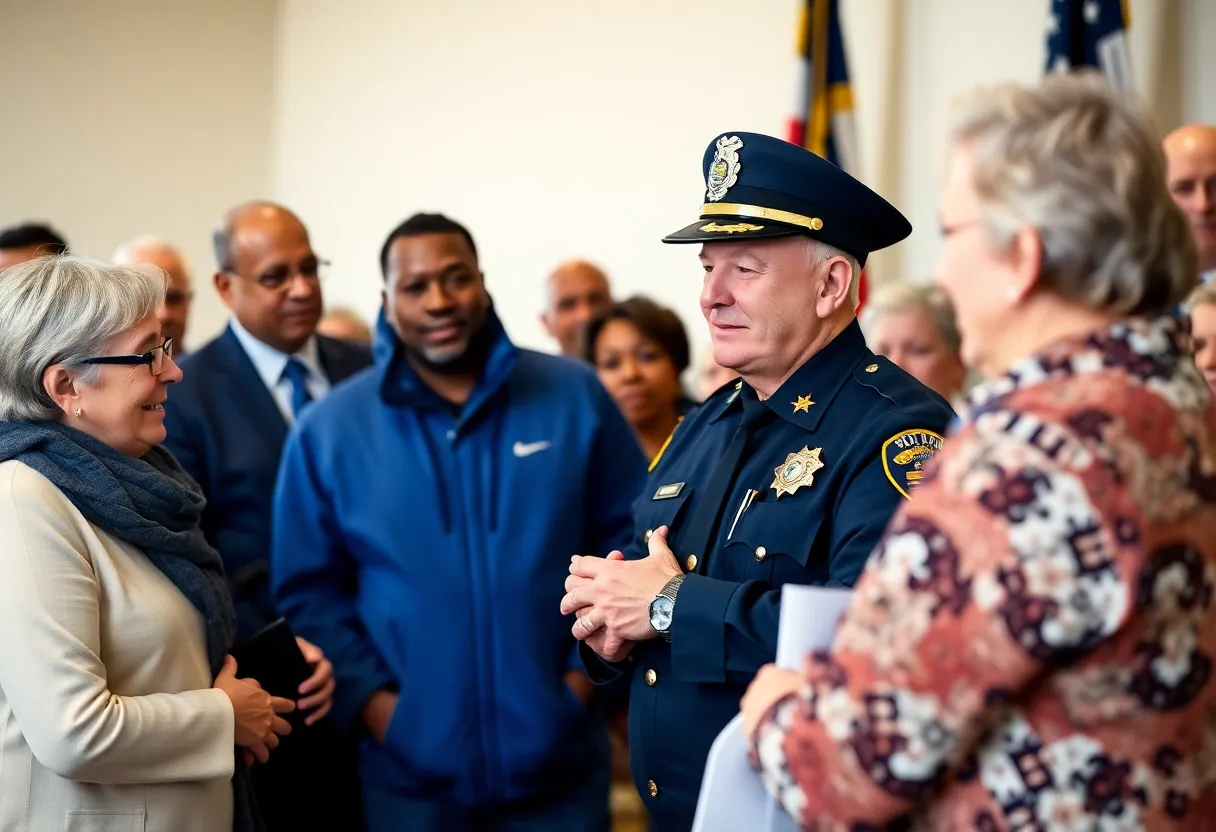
x,y
270,364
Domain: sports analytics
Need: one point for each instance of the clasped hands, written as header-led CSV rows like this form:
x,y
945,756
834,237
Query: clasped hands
x,y
610,597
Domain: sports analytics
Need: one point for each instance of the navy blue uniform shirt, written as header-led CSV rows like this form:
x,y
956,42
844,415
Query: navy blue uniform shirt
x,y
835,451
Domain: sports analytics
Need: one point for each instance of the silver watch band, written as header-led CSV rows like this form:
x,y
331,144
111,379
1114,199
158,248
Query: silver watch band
x,y
669,591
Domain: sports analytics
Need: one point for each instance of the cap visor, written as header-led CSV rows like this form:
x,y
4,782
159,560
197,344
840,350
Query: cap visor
x,y
731,228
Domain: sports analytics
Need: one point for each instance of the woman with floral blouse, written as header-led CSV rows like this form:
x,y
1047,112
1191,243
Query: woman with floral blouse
x,y
1031,646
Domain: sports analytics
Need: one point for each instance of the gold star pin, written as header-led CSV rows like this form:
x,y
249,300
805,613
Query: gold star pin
x,y
804,404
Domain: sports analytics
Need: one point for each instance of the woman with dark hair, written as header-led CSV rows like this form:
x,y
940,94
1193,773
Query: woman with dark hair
x,y
639,350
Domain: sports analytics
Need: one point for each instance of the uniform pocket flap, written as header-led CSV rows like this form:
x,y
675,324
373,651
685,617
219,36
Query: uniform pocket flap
x,y
768,529
661,510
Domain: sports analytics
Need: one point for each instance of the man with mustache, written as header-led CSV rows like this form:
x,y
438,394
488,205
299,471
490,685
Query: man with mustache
x,y
788,476
227,421
425,516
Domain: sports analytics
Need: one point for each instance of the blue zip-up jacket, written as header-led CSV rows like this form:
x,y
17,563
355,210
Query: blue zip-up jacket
x,y
426,552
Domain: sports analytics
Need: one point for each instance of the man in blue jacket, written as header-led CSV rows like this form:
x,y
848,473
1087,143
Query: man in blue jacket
x,y
425,516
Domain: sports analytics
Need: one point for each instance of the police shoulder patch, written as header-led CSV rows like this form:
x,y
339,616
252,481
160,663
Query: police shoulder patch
x,y
904,456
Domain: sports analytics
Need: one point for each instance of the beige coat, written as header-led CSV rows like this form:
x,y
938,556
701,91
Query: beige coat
x,y
108,721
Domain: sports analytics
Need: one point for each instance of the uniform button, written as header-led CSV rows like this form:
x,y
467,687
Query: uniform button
x,y
691,563
872,368
646,537
761,553
653,788
652,678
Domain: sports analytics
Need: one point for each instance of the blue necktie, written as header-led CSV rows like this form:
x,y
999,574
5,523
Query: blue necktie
x,y
296,373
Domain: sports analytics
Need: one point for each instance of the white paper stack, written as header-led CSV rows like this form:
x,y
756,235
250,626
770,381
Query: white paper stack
x,y
733,797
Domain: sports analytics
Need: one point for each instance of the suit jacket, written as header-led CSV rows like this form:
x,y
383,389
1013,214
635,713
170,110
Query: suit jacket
x,y
107,715
227,432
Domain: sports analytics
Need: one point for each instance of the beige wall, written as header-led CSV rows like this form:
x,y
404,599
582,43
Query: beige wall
x,y
552,128
123,117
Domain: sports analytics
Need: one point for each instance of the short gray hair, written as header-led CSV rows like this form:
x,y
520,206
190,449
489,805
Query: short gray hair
x,y
899,297
819,252
1081,162
64,310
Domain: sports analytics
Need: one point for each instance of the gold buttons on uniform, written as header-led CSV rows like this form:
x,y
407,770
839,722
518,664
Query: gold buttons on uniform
x,y
761,553
653,788
691,563
646,537
872,368
652,678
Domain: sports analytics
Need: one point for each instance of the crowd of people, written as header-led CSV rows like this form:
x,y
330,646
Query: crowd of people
x,y
495,562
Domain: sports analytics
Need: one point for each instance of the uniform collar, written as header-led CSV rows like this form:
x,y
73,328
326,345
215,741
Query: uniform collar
x,y
817,381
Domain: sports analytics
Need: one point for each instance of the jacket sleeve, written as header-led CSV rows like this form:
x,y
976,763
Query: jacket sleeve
x,y
725,630
936,639
312,578
53,675
617,475
183,438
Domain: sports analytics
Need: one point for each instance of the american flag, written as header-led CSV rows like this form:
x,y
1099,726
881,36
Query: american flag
x,y
822,121
1090,33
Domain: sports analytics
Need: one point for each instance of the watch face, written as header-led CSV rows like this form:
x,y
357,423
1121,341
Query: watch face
x,y
660,613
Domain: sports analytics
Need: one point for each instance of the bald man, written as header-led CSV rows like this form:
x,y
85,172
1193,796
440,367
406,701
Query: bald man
x,y
1190,154
227,421
174,313
577,290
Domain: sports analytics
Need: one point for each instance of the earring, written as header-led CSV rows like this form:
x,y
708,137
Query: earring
x,y
78,412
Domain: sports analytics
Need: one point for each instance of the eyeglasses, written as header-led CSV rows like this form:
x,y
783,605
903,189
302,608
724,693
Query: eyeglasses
x,y
279,278
154,358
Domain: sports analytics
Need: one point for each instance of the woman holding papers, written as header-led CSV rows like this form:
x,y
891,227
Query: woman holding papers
x,y
1031,645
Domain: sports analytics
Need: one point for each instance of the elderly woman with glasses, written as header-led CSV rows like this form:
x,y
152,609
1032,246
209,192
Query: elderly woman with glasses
x,y
1032,644
119,706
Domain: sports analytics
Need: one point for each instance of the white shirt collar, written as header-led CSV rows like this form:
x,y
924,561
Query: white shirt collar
x,y
270,362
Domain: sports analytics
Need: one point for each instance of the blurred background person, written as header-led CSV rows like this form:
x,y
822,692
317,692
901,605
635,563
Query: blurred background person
x,y
913,325
227,422
345,324
19,243
174,313
1202,308
711,375
118,706
640,350
1190,153
1031,643
574,293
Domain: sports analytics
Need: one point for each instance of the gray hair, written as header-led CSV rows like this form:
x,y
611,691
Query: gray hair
x,y
1080,162
64,310
819,252
898,297
130,252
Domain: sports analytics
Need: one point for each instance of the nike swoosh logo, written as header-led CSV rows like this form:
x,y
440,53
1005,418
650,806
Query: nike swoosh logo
x,y
522,449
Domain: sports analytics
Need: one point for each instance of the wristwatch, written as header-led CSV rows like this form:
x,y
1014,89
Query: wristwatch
x,y
663,607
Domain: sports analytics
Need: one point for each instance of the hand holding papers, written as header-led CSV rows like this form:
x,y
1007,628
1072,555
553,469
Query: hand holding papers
x,y
733,796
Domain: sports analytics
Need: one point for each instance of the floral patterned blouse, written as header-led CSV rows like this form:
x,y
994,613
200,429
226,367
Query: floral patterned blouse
x,y
1031,645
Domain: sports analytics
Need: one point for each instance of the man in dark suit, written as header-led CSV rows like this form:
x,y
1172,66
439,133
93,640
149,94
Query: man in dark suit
x,y
227,422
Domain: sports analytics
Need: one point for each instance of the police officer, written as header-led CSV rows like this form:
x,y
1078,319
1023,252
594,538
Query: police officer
x,y
788,476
